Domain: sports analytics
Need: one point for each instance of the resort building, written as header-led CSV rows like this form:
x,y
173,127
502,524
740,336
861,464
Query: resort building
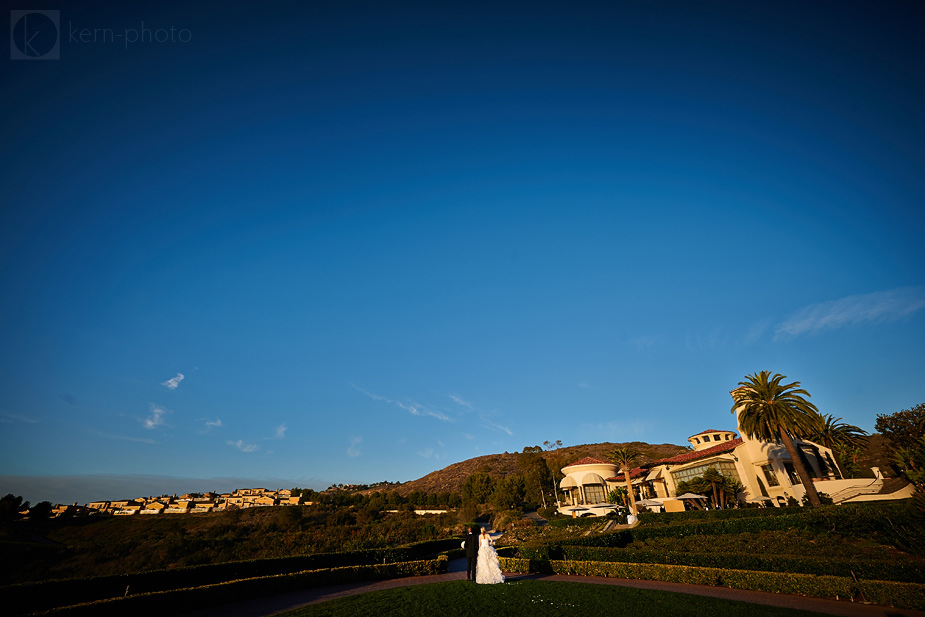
x,y
763,468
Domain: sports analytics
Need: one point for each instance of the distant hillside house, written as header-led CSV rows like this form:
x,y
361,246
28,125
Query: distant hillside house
x,y
764,469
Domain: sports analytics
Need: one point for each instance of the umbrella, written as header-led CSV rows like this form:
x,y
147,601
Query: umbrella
x,y
648,503
761,499
691,496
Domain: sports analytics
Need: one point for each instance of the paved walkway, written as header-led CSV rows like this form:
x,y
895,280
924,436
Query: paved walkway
x,y
263,607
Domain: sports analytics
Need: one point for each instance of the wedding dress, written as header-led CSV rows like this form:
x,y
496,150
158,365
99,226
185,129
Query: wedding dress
x,y
487,570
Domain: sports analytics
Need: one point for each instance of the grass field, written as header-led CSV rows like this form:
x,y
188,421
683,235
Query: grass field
x,y
534,599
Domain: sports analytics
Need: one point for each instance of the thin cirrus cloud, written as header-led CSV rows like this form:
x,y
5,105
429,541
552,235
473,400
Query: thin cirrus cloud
x,y
156,418
281,431
486,419
881,306
8,418
244,447
415,409
174,382
122,437
210,424
460,401
354,450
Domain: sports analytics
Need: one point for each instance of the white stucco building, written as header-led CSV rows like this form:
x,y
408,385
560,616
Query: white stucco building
x,y
764,469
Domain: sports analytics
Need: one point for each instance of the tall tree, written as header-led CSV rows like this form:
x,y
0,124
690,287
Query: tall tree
x,y
902,429
843,439
625,459
771,411
478,488
536,474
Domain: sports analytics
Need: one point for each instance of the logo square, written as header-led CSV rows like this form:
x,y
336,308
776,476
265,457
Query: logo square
x,y
35,35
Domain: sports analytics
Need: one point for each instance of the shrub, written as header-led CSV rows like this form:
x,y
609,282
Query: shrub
x,y
884,570
29,597
903,595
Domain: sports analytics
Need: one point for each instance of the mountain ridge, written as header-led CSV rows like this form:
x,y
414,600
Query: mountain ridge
x,y
452,477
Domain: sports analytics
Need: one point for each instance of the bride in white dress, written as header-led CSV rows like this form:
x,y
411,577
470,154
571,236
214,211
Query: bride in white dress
x,y
487,570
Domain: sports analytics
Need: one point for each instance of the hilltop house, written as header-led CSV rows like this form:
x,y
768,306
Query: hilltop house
x,y
764,469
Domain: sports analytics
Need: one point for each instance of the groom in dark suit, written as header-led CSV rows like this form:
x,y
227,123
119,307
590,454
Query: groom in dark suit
x,y
472,553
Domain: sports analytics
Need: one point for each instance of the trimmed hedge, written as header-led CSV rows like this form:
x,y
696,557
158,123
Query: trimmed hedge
x,y
663,518
902,595
30,597
197,598
850,519
588,521
883,570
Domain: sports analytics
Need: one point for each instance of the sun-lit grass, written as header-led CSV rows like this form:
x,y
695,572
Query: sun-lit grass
x,y
533,599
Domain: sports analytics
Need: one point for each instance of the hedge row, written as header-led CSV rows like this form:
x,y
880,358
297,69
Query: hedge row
x,y
588,521
853,519
660,518
623,537
882,570
198,598
30,597
901,595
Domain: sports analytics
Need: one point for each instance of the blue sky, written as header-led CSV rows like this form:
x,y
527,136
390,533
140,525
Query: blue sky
x,y
297,245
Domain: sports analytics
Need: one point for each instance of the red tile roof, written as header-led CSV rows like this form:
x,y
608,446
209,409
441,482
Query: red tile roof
x,y
635,472
588,460
726,446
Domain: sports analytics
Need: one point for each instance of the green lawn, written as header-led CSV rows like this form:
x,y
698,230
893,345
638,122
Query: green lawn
x,y
533,599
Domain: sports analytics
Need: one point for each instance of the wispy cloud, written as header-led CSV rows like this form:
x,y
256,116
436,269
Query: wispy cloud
x,y
644,342
881,306
494,426
244,447
756,331
9,418
584,384
618,431
717,338
428,453
156,418
174,382
462,402
122,437
415,409
281,431
354,450
216,423
484,417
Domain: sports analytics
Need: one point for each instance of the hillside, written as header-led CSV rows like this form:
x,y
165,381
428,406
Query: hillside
x,y
452,478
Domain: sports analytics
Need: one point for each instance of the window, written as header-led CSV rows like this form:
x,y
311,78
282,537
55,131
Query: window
x,y
594,493
727,468
769,475
715,437
792,473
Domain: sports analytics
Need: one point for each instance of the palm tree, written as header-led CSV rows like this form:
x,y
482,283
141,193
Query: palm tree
x,y
839,437
713,477
730,489
770,411
625,458
617,494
